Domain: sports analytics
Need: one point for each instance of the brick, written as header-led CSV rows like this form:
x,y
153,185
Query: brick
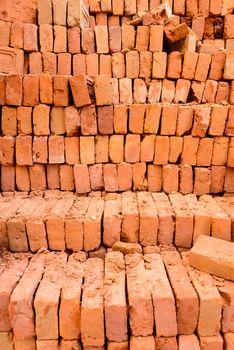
x,y
206,253
35,63
92,64
66,178
176,146
152,118
44,12
161,153
142,38
223,92
80,91
221,225
49,62
24,150
105,120
17,35
209,299
189,65
61,95
210,91
115,38
105,65
120,119
170,178
217,65
185,295
88,41
102,90
183,220
9,279
139,297
124,172
70,300
115,308
139,177
202,68
148,219
132,148
96,177
147,148
87,150
116,148
215,342
6,340
136,118
130,8
14,90
125,88
3,90
72,120
46,301
31,90
74,235
217,179
60,39
182,91
8,179
196,91
190,148
118,8
72,155
166,343
110,177
168,120
165,218
228,70
205,150
46,88
41,120
46,38
159,65
114,90
220,151
37,177
30,37
5,29
156,38
79,64
130,218
9,123
101,149
23,323
154,93
111,234
136,343
92,225
168,91
64,63
202,181
218,120
198,26
186,179
40,149
190,341
59,12
73,40
101,36
132,64
118,65
146,60
174,65
93,310
7,148
88,120
128,37
56,149
81,176
229,130
22,178
139,91
52,173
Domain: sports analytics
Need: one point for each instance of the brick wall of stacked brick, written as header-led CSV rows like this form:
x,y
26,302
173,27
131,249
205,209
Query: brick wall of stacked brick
x,y
144,114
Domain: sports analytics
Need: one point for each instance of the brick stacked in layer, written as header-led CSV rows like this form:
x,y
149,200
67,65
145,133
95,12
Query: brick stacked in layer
x,y
85,301
65,221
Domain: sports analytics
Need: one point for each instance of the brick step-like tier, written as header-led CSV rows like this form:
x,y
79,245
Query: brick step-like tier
x,y
61,221
118,302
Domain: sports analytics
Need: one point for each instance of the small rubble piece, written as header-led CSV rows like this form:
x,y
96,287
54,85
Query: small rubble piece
x,y
213,255
127,248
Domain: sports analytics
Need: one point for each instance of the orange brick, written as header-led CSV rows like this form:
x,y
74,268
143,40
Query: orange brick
x,y
110,177
35,63
202,181
24,150
79,64
57,121
105,120
14,92
49,62
81,176
96,177
60,39
147,148
52,174
105,65
66,178
40,154
87,153
116,148
46,88
31,90
92,64
142,38
17,35
101,149
9,123
190,148
87,40
46,38
169,120
64,63
202,68
186,179
128,37
88,120
61,95
41,120
72,121
139,177
161,153
80,91
2,90
125,91
101,36
132,148
154,93
37,177
24,120
132,64
168,91
102,90
170,178
154,178
73,38
159,65
189,65
136,118
124,172
30,37
174,65
120,119
146,62
72,154
56,149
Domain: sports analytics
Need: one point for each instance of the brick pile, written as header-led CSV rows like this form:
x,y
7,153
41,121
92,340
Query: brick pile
x,y
106,97
54,301
116,156
64,221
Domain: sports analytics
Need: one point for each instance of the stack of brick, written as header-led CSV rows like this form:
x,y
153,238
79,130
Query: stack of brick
x,y
67,222
85,301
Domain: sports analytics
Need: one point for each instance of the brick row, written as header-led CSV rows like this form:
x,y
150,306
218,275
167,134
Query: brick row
x,y
157,119
65,221
83,178
49,285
